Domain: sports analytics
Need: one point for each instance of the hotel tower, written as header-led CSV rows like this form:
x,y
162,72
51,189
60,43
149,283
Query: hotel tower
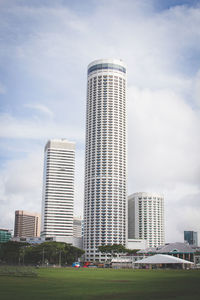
x,y
58,190
105,206
146,218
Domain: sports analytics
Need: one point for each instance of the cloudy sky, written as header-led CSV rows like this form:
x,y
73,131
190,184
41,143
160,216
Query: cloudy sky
x,y
45,47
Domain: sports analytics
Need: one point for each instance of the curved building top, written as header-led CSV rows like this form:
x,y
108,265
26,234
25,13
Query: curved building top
x,y
105,64
146,194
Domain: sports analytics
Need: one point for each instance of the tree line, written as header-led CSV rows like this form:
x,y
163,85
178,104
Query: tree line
x,y
116,249
56,253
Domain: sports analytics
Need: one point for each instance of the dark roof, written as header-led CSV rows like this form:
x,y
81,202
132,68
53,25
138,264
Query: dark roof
x,y
170,248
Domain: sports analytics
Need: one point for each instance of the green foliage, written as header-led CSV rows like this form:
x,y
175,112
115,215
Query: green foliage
x,y
11,252
45,253
132,251
112,249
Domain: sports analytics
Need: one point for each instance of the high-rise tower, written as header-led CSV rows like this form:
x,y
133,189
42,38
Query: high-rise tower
x,y
105,206
58,190
146,218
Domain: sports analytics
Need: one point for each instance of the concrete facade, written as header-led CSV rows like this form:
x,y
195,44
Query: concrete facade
x,y
27,224
137,244
58,190
105,203
146,218
77,227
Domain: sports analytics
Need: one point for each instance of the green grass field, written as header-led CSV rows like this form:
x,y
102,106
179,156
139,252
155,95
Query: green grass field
x,y
68,283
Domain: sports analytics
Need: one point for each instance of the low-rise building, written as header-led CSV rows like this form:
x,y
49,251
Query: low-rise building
x,y
180,250
5,235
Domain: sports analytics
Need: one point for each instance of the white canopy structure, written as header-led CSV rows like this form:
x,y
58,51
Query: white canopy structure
x,y
162,259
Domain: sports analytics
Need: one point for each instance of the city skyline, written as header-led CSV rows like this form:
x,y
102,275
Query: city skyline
x,y
45,49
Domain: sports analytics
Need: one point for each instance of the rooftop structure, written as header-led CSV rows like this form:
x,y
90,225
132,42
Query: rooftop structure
x,y
162,259
180,250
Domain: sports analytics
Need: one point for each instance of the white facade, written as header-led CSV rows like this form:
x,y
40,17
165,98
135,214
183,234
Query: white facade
x,y
58,190
136,244
146,218
77,227
105,206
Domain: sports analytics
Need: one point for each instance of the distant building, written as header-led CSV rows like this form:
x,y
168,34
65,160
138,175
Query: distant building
x,y
191,237
58,190
78,232
31,240
75,241
5,235
77,227
146,218
27,224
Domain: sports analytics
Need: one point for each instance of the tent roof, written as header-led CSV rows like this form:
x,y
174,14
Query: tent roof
x,y
121,260
162,259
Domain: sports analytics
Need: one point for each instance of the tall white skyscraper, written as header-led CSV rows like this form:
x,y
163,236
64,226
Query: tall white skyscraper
x,y
105,206
58,190
146,218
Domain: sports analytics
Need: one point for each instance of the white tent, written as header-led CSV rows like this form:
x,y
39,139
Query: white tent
x,y
162,259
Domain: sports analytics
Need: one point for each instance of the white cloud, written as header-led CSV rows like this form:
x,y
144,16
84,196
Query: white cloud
x,y
21,182
2,89
164,146
37,128
197,88
40,108
164,139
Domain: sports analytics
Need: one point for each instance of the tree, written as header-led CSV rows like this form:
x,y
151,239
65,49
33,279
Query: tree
x,y
132,251
47,252
53,253
112,249
12,252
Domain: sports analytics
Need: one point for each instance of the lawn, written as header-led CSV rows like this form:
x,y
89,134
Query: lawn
x,y
68,283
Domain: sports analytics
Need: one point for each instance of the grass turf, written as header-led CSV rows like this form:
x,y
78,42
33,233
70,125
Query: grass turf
x,y
69,283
